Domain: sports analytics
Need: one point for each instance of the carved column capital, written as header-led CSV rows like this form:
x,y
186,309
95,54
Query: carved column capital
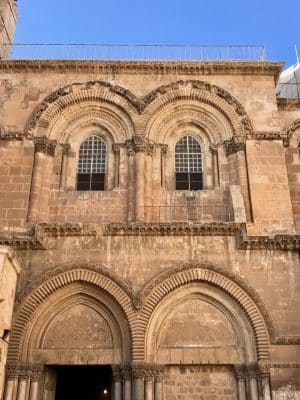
x,y
116,149
12,371
36,372
117,372
234,145
164,149
158,372
252,371
44,145
66,148
139,144
138,370
240,372
24,372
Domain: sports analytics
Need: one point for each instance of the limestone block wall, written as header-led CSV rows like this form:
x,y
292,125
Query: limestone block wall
x,y
16,161
8,19
9,271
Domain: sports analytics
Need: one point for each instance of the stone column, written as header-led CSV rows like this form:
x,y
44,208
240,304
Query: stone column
x,y
130,182
252,379
158,381
43,148
117,382
240,375
126,373
35,376
138,374
163,154
149,392
215,166
12,372
140,189
264,374
63,171
23,382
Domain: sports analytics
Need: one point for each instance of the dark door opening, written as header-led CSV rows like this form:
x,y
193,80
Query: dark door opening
x,y
83,383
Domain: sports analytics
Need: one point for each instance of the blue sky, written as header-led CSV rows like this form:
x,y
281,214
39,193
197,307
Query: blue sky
x,y
273,23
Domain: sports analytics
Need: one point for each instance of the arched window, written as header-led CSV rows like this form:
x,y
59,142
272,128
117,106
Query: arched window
x,y
188,164
91,167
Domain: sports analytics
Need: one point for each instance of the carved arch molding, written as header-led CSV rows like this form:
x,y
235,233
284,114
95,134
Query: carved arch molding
x,y
137,308
139,110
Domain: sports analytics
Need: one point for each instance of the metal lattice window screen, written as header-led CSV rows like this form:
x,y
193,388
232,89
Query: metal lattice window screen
x,y
92,156
188,157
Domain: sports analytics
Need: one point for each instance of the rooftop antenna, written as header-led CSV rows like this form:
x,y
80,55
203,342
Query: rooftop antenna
x,y
297,56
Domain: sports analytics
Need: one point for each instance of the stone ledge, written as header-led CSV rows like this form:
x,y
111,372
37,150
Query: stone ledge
x,y
32,237
288,104
144,67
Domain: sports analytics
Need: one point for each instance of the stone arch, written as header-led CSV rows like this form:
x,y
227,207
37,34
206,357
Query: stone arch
x,y
234,286
79,93
37,295
203,92
292,133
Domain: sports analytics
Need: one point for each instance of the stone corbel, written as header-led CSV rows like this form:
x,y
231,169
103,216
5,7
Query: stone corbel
x,y
234,145
44,145
140,144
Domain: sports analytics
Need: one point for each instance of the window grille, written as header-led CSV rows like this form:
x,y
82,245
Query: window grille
x,y
188,164
91,167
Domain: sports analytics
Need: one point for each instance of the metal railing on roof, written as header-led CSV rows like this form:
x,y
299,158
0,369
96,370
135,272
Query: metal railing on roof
x,y
288,90
138,52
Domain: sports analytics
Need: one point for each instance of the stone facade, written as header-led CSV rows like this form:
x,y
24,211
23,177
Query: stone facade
x,y
186,294
8,19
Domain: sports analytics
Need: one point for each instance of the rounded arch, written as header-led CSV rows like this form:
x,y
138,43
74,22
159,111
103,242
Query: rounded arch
x,y
235,287
33,299
203,92
58,102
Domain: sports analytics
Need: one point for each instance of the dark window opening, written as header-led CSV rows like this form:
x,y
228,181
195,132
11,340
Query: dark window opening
x,y
83,382
91,164
188,164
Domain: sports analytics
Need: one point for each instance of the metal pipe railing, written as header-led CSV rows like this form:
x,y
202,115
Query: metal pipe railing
x,y
139,52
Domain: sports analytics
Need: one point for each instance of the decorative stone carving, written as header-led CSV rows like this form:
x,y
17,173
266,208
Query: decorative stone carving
x,y
172,229
12,370
13,135
288,104
295,340
289,132
140,144
240,372
278,242
233,145
66,148
117,372
44,145
57,229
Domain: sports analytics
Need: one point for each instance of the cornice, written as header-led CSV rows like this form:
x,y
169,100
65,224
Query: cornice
x,y
67,229
34,237
13,135
171,229
278,242
286,340
288,104
146,67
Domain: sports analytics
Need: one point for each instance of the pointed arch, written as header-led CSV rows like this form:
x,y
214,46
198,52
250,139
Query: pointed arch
x,y
39,291
234,286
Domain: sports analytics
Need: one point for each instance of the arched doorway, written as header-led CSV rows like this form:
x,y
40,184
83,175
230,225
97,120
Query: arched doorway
x,y
69,341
